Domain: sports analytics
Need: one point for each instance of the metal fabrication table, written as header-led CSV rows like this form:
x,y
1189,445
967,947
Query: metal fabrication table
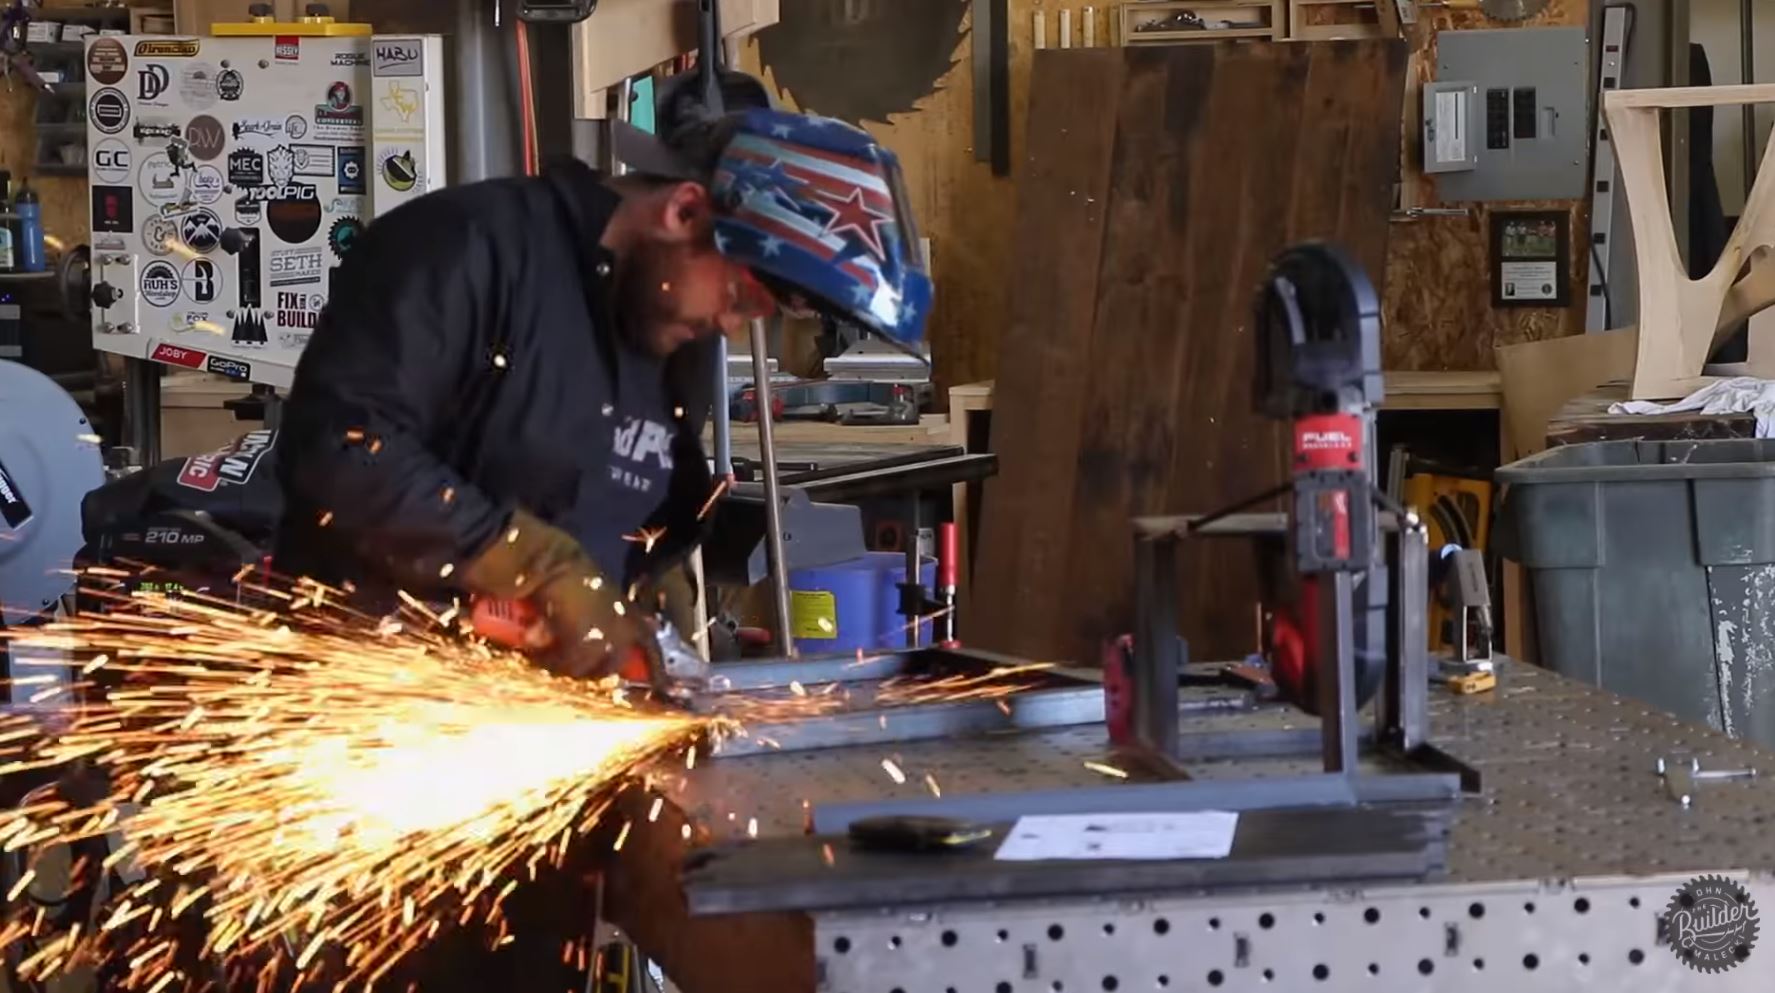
x,y
1558,872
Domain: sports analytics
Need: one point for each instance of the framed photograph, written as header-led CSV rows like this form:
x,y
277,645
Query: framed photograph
x,y
1531,253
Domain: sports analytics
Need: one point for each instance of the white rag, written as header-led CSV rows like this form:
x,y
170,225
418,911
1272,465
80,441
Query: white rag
x,y
1741,394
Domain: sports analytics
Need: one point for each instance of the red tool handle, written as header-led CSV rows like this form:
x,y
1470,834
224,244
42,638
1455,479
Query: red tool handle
x,y
507,622
948,556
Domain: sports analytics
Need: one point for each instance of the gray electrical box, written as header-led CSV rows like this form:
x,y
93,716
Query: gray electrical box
x,y
1507,117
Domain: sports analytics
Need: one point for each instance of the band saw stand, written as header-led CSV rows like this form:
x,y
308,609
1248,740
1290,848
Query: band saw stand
x,y
1350,564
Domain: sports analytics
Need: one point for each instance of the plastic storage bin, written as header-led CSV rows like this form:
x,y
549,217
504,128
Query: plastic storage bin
x,y
855,604
1653,565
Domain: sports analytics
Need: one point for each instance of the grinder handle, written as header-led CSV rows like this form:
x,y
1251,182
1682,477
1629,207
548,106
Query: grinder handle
x,y
509,623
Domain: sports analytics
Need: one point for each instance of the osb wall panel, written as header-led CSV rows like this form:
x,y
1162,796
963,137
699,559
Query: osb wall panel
x,y
66,203
1438,297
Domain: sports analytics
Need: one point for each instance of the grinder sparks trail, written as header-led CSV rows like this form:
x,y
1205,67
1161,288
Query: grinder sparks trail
x,y
674,669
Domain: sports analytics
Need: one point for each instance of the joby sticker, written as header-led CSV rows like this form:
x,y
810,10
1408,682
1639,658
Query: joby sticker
x,y
206,136
160,283
160,234
197,85
344,234
106,61
111,161
114,209
206,184
201,230
399,170
159,179
230,84
202,281
109,111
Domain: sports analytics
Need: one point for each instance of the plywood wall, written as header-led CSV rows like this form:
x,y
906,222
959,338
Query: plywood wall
x,y
1438,300
1438,292
66,203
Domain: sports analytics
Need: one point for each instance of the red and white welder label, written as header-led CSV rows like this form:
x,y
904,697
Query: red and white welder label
x,y
1328,441
190,358
232,464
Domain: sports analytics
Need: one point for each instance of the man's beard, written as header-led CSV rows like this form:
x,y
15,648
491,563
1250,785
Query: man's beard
x,y
646,304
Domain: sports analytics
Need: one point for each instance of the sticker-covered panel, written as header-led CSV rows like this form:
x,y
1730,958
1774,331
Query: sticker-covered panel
x,y
230,176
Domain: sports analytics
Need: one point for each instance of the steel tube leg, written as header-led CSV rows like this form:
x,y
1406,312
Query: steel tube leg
x,y
141,422
1337,675
723,422
1157,654
1412,634
773,501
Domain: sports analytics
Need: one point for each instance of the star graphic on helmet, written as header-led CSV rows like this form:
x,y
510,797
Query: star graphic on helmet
x,y
771,245
853,214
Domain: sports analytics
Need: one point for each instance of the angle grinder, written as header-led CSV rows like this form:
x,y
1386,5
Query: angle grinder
x,y
675,670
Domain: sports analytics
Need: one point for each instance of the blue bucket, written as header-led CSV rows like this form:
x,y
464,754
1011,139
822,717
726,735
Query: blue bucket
x,y
855,604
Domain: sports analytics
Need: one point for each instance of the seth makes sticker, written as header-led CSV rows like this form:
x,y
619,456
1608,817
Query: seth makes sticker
x,y
160,283
231,465
297,266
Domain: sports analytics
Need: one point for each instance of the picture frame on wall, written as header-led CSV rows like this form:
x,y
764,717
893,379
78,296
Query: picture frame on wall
x,y
1531,254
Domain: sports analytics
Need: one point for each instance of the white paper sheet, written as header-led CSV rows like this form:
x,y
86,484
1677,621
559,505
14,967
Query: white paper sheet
x,y
1206,834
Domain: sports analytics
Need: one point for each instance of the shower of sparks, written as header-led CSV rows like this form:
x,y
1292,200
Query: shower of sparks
x,y
300,791
305,780
646,537
1107,770
714,498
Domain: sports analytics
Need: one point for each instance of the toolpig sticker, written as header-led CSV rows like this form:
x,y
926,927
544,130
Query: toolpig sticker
x,y
160,283
231,465
296,310
106,61
109,111
339,119
291,209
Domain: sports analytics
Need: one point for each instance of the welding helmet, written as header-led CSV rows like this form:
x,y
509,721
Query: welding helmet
x,y
816,209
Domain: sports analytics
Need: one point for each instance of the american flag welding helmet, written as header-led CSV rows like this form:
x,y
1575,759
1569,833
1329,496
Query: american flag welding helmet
x,y
818,210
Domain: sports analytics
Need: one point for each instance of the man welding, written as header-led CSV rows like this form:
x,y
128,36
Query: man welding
x,y
506,392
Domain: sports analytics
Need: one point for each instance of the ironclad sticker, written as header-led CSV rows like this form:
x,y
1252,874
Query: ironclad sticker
x,y
109,110
397,57
166,48
160,283
12,501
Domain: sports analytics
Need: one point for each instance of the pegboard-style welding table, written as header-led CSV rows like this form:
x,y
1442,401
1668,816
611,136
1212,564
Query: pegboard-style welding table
x,y
1558,871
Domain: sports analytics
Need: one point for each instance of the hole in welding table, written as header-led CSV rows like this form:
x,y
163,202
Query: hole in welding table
x,y
1318,918
1322,972
1633,902
1056,932
1581,905
1111,982
1374,969
1215,978
1583,958
842,945
1161,926
1531,961
1636,956
1164,981
949,939
1372,915
1266,921
1003,988
894,942
1425,967
1269,975
1528,908
1109,929
1476,910
1213,923
1478,965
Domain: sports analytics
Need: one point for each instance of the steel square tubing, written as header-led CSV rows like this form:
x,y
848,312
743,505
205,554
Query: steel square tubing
x,y
1021,712
1150,798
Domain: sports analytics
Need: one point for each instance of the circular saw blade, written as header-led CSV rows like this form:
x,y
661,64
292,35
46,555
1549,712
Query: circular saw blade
x,y
1512,10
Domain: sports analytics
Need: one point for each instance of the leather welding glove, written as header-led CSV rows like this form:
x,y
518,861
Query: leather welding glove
x,y
586,631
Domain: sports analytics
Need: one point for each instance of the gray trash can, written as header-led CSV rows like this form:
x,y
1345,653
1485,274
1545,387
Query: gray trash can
x,y
1653,565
